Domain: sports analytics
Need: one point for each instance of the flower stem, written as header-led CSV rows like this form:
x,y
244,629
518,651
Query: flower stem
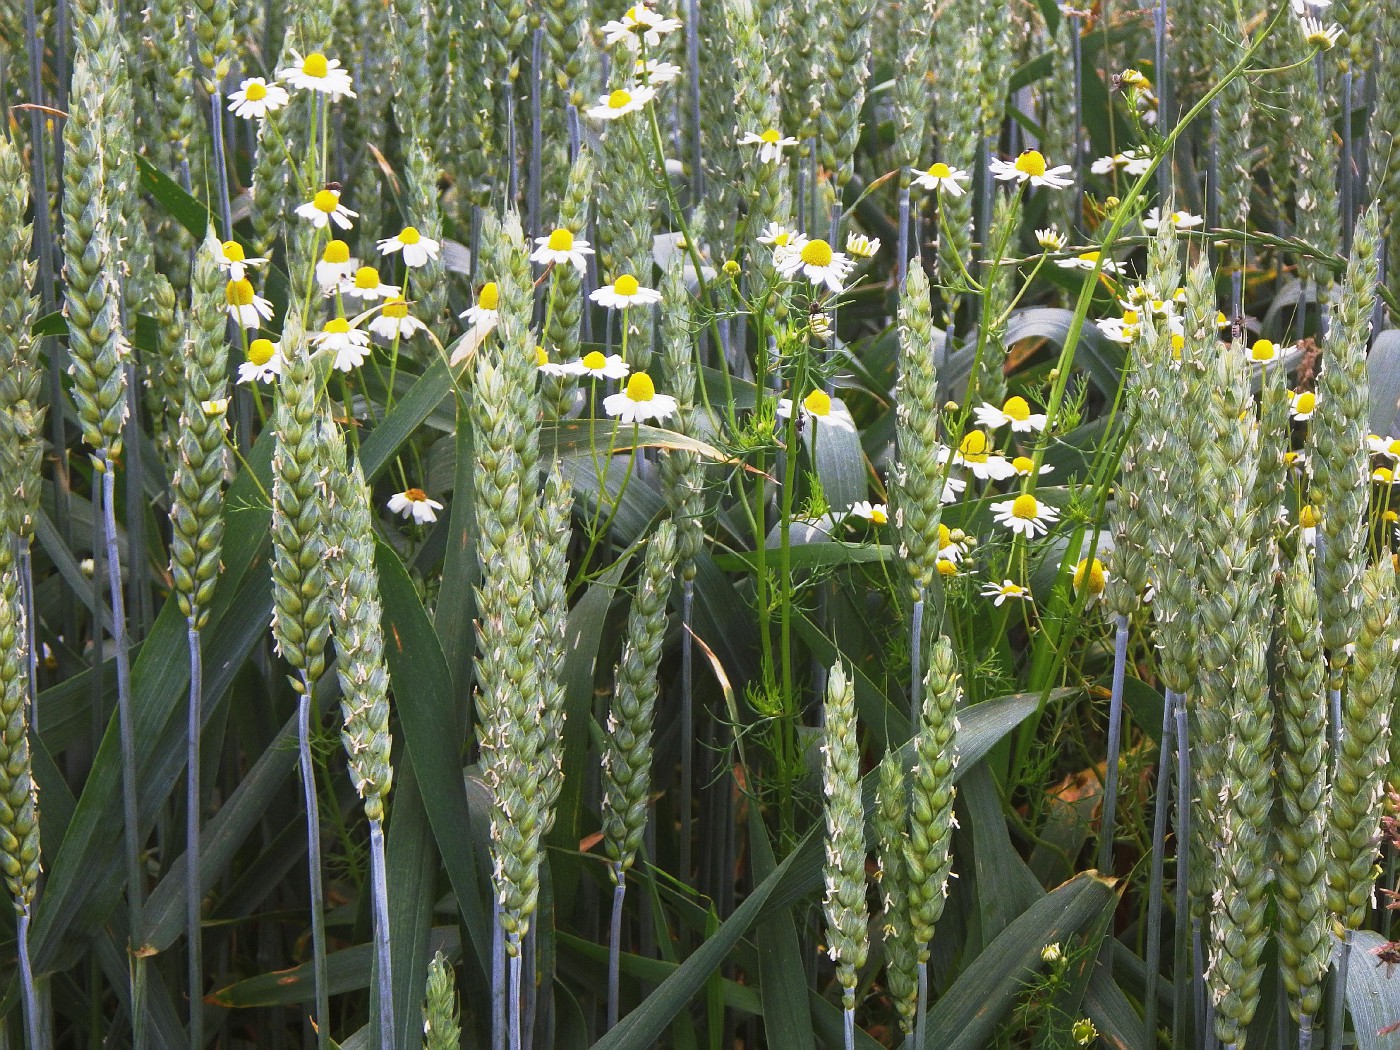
x,y
313,861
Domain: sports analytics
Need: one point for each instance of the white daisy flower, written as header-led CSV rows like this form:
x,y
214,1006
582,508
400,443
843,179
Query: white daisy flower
x,y
415,504
862,247
366,285
350,345
940,176
1087,261
621,102
975,453
821,410
1384,476
552,368
639,401
1263,351
770,143
217,407
1317,35
1005,591
953,487
1302,405
654,73
395,322
1182,220
1118,329
816,261
561,246
1015,412
316,72
336,267
1052,240
1308,519
244,305
1090,577
781,238
484,312
1024,466
417,250
875,513
325,208
263,363
1388,447
624,292
232,260
256,98
596,365
639,24
1025,515
948,548
1032,167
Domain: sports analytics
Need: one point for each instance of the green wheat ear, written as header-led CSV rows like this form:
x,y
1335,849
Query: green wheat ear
x,y
847,919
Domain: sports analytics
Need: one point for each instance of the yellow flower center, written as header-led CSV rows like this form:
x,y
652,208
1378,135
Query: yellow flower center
x,y
1031,162
816,253
1383,474
1130,317
945,536
1026,507
1305,402
878,516
337,326
1089,257
256,91
410,235
396,308
1308,517
1394,447
626,285
239,293
818,403
337,252
233,251
619,99
1178,342
946,568
640,387
1017,409
490,295
541,356
1262,350
1023,464
1090,572
260,351
593,360
366,277
326,201
782,239
1392,517
560,240
771,135
1290,457
974,446
940,171
416,495
315,65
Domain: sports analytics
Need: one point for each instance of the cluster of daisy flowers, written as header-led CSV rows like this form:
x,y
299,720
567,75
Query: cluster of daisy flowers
x,y
256,97
639,29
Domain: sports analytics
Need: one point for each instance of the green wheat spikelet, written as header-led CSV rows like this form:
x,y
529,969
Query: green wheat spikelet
x,y
928,857
847,919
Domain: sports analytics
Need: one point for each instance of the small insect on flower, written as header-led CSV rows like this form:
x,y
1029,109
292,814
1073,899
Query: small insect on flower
x,y
1052,240
1004,591
245,306
1315,34
1087,261
1182,220
816,261
941,177
875,513
621,102
316,72
325,208
263,364
1031,166
639,401
625,291
484,313
256,98
654,73
597,366
350,345
862,247
416,249
1302,405
1025,515
561,246
395,322
367,285
639,24
336,266
232,260
770,143
1129,161
415,504
820,409
1015,412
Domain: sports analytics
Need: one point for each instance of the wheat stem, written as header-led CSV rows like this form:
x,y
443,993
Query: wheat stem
x,y
313,860
379,889
1115,732
615,944
193,894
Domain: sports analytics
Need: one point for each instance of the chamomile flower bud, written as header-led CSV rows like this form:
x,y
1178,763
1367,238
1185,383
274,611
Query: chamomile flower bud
x,y
316,72
1005,591
1322,37
414,503
326,208
862,247
820,409
770,143
1031,166
263,363
416,249
1052,240
625,292
349,345
561,246
1090,577
941,177
639,401
617,104
245,306
256,98
1025,515
395,322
